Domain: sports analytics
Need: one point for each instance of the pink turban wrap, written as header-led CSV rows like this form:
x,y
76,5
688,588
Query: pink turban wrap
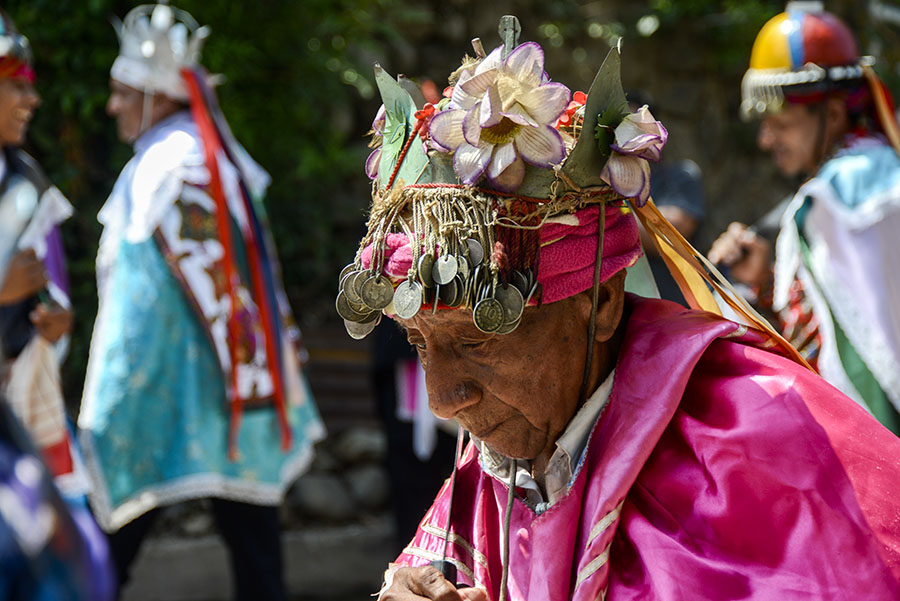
x,y
568,251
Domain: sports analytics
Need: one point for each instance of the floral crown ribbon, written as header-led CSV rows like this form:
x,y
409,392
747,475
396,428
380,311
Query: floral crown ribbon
x,y
488,194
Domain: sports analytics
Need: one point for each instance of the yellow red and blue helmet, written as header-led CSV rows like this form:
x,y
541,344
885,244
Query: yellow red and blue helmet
x,y
799,53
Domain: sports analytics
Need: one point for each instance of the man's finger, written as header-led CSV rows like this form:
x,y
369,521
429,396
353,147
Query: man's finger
x,y
473,594
431,584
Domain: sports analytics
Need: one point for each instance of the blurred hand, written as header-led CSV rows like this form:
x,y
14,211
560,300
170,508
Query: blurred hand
x,y
25,276
51,321
412,584
746,254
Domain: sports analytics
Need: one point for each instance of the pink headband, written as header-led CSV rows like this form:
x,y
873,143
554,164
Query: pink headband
x,y
14,68
568,251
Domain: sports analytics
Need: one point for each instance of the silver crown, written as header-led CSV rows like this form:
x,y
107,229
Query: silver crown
x,y
156,42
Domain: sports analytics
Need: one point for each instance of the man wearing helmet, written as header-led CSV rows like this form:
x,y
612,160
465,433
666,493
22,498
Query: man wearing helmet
x,y
193,326
833,289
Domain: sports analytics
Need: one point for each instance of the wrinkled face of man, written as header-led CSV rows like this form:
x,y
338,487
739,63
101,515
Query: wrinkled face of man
x,y
793,139
18,100
517,391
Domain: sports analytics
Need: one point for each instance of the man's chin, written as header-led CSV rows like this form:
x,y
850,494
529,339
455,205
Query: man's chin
x,y
511,449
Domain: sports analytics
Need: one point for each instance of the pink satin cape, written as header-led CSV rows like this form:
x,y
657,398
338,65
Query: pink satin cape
x,y
718,470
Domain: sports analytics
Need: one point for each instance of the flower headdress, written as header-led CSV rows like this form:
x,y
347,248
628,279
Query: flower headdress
x,y
509,192
469,194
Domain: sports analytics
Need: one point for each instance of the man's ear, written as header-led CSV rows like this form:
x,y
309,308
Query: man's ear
x,y
836,121
610,305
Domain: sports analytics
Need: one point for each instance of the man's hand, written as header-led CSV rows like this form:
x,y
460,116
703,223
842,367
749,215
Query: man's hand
x,y
411,584
745,253
51,321
25,276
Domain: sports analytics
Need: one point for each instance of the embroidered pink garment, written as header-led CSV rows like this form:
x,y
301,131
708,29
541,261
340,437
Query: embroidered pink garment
x,y
719,470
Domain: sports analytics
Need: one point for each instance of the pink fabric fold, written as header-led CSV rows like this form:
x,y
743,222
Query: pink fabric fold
x,y
718,471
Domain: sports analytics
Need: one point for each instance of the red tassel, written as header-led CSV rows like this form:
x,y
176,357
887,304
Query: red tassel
x,y
211,145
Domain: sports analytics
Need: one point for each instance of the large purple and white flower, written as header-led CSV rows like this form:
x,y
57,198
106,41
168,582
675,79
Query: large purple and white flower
x,y
374,159
639,138
501,117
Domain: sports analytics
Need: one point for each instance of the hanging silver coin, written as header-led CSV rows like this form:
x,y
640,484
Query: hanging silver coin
x,y
520,281
513,302
529,276
377,292
462,267
488,315
460,295
407,299
370,317
358,331
425,267
448,292
343,308
509,327
476,251
445,269
344,273
534,289
352,285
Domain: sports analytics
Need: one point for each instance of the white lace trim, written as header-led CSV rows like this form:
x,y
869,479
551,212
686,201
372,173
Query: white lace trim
x,y
194,486
859,328
787,255
789,265
833,298
871,211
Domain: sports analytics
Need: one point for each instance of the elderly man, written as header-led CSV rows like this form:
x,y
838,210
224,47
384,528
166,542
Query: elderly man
x,y
833,289
622,448
193,385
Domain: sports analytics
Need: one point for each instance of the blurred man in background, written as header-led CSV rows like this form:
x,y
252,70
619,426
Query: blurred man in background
x,y
193,386
834,289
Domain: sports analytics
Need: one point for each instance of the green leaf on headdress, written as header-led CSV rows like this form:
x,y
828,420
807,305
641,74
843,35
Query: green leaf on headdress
x,y
604,132
605,104
412,88
400,122
440,169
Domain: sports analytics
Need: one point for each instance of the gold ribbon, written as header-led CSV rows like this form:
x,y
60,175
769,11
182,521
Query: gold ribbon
x,y
695,275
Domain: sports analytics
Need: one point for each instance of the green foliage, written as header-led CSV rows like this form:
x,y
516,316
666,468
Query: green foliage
x,y
296,75
730,26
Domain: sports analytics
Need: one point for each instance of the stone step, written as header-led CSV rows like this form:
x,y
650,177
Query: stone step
x,y
320,564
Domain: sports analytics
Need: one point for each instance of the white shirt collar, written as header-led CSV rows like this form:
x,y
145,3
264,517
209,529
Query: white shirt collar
x,y
563,465
159,130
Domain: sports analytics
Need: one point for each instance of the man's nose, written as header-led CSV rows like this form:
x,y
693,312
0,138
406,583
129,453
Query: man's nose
x,y
33,98
764,137
449,389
